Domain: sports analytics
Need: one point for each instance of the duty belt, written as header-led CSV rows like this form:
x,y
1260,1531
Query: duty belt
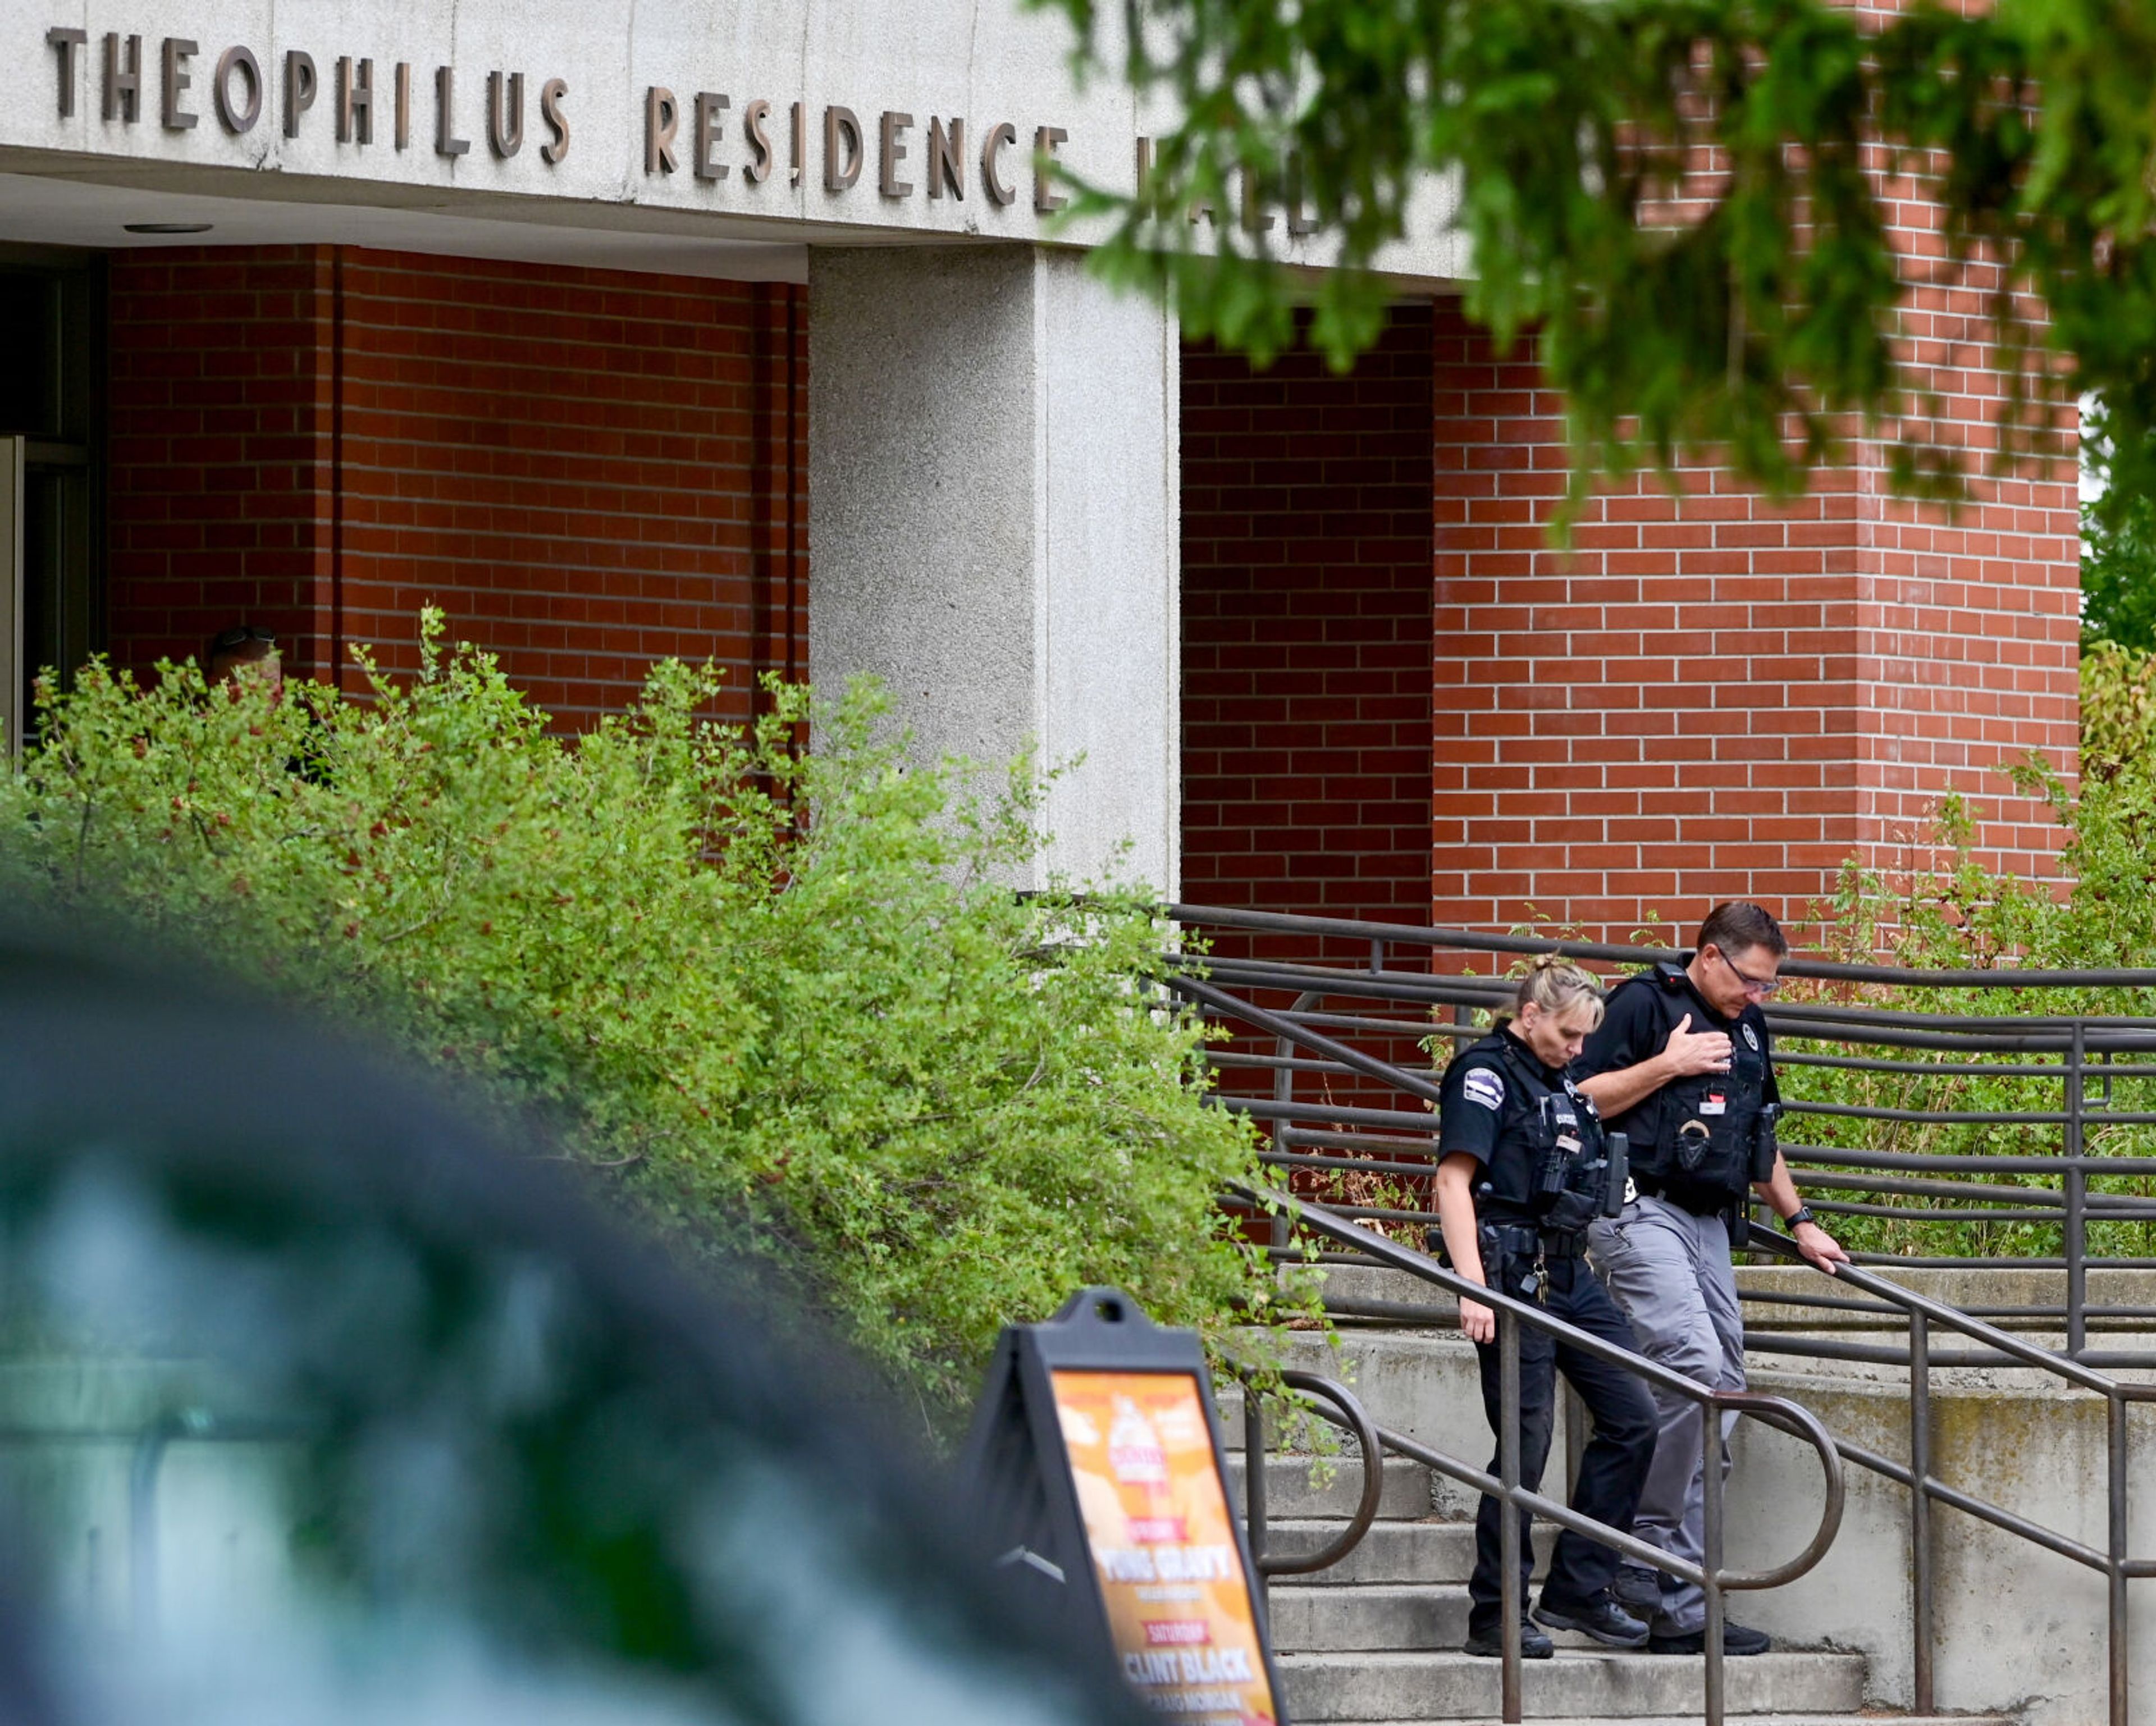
x,y
1649,1187
1546,1243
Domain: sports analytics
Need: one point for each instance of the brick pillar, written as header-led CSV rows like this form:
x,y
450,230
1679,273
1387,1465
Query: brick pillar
x,y
1711,695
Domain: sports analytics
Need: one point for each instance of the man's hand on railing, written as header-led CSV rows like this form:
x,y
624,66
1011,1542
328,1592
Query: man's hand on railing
x,y
1821,1251
1819,1246
1478,1321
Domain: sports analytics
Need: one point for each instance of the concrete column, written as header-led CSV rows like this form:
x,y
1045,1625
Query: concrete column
x,y
992,487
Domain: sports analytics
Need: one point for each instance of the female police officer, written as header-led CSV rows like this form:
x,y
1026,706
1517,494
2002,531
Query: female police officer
x,y
1523,1167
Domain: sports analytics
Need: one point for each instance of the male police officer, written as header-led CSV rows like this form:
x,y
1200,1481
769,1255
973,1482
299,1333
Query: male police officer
x,y
1681,1065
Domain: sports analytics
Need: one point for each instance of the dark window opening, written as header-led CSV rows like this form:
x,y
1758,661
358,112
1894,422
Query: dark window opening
x,y
52,403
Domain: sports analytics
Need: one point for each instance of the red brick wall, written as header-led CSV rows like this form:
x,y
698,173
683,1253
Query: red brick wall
x,y
562,460
588,470
218,458
1307,628
1712,696
1970,627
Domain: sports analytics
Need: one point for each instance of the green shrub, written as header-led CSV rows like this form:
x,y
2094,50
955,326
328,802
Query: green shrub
x,y
785,999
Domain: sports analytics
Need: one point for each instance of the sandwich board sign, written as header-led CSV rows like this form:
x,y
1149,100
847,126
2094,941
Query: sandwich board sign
x,y
1097,1461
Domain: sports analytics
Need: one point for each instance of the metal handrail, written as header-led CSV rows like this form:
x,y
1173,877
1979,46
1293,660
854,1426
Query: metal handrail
x,y
1474,941
1352,1418
2117,1565
2085,1057
1409,1133
1511,1313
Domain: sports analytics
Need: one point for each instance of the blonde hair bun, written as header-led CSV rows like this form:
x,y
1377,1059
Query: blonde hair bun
x,y
1555,984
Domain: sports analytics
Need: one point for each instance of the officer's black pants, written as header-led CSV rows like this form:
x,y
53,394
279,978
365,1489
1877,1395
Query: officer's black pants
x,y
1612,1469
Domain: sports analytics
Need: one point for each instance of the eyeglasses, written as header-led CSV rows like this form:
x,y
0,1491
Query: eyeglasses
x,y
228,640
1753,985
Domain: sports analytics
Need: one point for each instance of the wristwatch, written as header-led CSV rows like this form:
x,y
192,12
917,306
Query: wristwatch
x,y
1802,1214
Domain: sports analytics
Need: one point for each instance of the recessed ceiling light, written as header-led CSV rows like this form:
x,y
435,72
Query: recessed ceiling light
x,y
168,227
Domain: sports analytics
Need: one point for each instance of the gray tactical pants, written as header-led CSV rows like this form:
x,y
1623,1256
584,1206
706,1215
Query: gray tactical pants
x,y
1669,1271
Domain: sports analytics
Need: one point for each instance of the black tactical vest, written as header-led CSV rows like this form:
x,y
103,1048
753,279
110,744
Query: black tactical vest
x,y
1702,1141
1551,1163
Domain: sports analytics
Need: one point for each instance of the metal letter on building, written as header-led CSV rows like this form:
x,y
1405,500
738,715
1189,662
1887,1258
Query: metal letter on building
x,y
662,114
355,101
236,120
842,139
946,157
446,141
170,114
709,105
752,117
68,45
505,128
999,139
1300,222
123,78
1045,138
300,85
549,110
893,152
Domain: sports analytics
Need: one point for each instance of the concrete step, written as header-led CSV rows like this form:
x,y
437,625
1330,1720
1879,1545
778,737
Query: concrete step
x,y
1406,1615
1427,1552
1597,1684
1291,1492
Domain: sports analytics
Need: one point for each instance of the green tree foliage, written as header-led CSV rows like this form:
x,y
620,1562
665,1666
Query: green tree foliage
x,y
2119,552
786,998
1758,323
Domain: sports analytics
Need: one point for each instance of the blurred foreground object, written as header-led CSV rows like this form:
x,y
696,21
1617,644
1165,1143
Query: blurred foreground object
x,y
1099,1471
313,1407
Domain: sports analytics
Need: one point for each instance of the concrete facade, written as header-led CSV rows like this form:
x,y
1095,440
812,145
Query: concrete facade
x,y
994,462
821,123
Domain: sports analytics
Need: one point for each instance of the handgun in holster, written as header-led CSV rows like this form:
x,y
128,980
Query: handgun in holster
x,y
1766,1150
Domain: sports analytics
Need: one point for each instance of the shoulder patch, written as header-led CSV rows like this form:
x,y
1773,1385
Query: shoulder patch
x,y
1484,1087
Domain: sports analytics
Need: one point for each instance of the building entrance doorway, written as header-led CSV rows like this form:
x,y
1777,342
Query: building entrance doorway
x,y
51,404
1307,563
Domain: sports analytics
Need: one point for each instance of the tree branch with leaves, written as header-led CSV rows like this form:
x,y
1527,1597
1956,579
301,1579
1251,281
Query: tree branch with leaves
x,y
1687,203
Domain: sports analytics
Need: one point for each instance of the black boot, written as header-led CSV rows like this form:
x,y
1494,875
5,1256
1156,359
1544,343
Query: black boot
x,y
1601,1618
1490,1644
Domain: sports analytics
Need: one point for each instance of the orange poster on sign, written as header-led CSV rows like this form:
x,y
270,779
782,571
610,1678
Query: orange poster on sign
x,y
1179,1601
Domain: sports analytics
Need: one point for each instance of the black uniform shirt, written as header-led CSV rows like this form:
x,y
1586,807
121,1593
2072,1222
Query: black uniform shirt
x,y
1636,1027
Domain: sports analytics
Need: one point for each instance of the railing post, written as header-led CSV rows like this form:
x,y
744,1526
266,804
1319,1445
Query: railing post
x,y
2115,1444
2076,1241
1509,1602
1710,1445
1283,1231
1254,1491
1920,1507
